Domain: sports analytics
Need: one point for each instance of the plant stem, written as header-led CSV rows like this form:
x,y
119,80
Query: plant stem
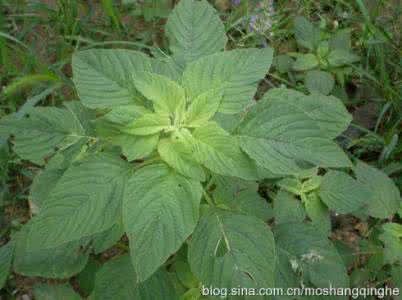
x,y
209,199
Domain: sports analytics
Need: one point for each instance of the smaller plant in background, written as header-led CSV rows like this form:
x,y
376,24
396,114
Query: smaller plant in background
x,y
324,61
261,20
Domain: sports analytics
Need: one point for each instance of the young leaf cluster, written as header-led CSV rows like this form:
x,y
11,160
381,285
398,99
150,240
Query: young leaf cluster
x,y
327,57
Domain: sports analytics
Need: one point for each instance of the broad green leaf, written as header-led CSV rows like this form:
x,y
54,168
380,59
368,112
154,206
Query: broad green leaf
x,y
318,213
117,280
86,200
105,240
186,277
339,58
203,108
168,97
311,254
230,250
305,62
285,275
46,180
284,139
291,184
62,261
386,196
125,114
177,154
6,257
133,147
103,77
307,35
288,209
393,244
194,29
340,40
311,184
137,147
160,211
148,124
235,73
220,152
86,278
319,81
283,63
241,196
342,193
166,66
348,254
228,122
48,129
52,292
322,51
329,113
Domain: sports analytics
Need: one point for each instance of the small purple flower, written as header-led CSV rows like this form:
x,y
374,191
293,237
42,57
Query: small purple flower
x,y
253,22
235,2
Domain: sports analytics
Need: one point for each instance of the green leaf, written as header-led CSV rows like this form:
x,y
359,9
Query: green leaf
x,y
177,154
319,81
340,40
48,129
283,63
133,147
46,180
86,278
281,137
305,62
184,274
307,35
290,184
230,250
203,108
288,209
105,240
329,113
392,239
52,292
6,257
337,58
166,66
311,254
148,124
235,73
160,211
318,213
117,280
85,201
194,29
228,122
386,196
343,194
348,254
167,96
103,77
62,261
125,114
241,196
220,152
138,147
